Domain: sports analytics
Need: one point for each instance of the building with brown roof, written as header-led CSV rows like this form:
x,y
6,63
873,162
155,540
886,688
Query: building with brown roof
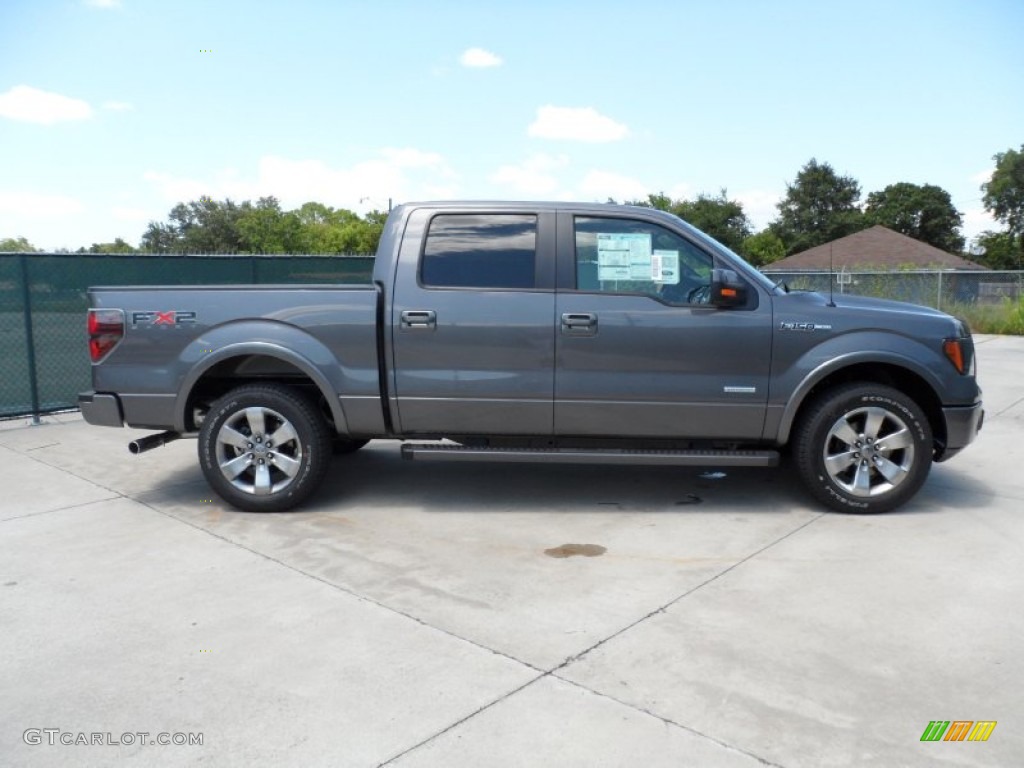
x,y
877,248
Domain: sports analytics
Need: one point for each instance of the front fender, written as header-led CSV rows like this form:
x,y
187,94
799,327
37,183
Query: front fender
x,y
831,356
268,339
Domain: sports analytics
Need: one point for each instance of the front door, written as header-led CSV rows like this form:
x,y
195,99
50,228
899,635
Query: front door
x,y
639,351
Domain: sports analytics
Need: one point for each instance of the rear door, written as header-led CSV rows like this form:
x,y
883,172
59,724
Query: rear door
x,y
472,323
639,351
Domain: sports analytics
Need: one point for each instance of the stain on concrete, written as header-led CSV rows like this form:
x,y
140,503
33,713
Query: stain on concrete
x,y
571,550
712,475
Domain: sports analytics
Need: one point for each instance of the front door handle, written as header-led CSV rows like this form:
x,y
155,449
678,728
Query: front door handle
x,y
419,319
579,323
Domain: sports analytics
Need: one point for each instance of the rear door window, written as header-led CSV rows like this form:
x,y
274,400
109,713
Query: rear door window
x,y
483,250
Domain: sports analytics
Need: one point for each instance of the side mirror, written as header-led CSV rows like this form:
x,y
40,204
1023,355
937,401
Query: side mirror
x,y
727,290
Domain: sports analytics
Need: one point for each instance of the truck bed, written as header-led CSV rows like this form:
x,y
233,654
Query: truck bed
x,y
173,334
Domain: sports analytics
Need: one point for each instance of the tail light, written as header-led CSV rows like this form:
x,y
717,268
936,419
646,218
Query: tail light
x,y
106,329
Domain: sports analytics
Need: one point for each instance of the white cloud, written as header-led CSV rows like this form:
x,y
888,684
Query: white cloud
x,y
33,206
103,4
478,57
118,106
760,206
31,105
533,177
977,220
576,124
176,189
124,213
397,174
680,191
600,185
413,158
981,177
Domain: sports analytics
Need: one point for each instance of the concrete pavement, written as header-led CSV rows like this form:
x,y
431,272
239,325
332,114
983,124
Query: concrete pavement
x,y
411,616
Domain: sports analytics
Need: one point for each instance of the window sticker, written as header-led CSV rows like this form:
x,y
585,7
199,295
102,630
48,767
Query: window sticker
x,y
665,267
624,256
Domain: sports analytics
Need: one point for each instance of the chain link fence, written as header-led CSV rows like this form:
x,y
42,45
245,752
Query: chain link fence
x,y
43,303
947,290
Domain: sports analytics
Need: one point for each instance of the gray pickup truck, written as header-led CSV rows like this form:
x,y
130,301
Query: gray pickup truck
x,y
538,332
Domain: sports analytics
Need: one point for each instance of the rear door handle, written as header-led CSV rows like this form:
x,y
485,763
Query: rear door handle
x,y
419,319
579,323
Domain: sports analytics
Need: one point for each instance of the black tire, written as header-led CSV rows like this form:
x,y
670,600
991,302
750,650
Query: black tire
x,y
344,445
863,448
243,462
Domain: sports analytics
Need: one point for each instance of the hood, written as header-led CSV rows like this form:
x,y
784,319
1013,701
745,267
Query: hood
x,y
884,305
851,312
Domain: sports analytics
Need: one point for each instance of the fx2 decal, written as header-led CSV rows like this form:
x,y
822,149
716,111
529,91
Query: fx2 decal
x,y
172,318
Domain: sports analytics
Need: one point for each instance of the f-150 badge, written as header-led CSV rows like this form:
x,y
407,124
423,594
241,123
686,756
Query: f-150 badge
x,y
789,325
172,318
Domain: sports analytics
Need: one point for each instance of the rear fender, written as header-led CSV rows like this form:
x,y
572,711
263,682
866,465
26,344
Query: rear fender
x,y
275,340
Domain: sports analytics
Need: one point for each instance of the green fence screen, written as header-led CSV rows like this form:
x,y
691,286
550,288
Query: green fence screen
x,y
44,361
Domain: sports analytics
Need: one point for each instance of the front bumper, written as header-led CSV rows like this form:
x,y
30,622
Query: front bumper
x,y
963,423
101,410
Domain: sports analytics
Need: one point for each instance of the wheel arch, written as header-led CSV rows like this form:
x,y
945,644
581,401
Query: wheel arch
x,y
251,362
896,373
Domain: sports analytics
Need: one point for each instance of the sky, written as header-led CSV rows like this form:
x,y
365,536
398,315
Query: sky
x,y
113,111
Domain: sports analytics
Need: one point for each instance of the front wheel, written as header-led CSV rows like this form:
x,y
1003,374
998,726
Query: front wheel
x,y
863,448
264,447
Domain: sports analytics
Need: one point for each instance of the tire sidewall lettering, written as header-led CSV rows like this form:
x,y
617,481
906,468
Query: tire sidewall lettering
x,y
297,409
832,406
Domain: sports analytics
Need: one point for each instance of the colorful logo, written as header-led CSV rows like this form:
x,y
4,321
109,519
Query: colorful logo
x,y
958,730
172,318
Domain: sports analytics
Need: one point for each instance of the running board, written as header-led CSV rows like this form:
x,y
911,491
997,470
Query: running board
x,y
703,458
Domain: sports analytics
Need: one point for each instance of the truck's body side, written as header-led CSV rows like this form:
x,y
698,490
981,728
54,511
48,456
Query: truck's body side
x,y
542,321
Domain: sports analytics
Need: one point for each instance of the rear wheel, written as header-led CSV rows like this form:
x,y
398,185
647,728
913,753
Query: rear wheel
x,y
264,447
863,448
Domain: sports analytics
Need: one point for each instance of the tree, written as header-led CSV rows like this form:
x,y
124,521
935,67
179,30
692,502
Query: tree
x,y
819,206
159,238
208,225
118,246
718,216
1002,250
17,245
330,230
763,248
925,213
1004,192
660,201
315,215
211,226
199,226
373,228
265,228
